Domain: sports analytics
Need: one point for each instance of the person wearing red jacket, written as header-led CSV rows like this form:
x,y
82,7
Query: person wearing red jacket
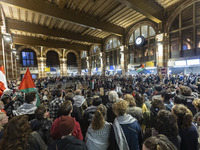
x,y
65,110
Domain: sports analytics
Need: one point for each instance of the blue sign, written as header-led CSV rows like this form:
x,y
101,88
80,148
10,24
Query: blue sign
x,y
86,70
52,69
112,68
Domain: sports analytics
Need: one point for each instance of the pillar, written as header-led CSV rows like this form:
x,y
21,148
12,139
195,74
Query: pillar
x,y
159,53
103,66
8,66
89,65
41,67
63,67
124,60
79,66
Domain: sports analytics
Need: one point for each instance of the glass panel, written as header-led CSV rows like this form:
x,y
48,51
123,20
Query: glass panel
x,y
144,31
27,55
31,55
131,39
32,62
198,37
111,44
175,24
174,45
118,43
107,56
137,33
187,39
24,62
114,43
187,15
151,32
28,63
23,55
198,12
131,58
115,57
119,54
107,46
111,58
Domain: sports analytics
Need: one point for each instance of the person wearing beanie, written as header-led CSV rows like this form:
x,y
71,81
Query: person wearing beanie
x,y
65,110
61,129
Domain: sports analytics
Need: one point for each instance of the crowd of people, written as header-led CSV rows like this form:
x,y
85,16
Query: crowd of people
x,y
142,112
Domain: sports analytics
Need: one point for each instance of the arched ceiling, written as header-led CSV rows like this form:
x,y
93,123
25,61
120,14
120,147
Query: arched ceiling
x,y
77,24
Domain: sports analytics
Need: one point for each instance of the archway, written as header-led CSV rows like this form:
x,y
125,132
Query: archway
x,y
52,59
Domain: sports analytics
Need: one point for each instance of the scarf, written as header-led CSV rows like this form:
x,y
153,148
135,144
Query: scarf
x,y
119,134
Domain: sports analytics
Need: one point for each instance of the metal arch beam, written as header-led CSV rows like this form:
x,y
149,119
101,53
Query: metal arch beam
x,y
38,29
45,8
147,8
24,40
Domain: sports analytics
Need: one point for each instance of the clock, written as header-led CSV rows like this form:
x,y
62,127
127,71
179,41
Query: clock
x,y
139,41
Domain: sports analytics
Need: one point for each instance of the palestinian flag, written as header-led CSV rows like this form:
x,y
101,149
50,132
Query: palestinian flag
x,y
141,68
27,85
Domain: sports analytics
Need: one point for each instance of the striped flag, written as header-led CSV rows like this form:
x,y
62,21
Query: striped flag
x,y
3,83
142,67
27,85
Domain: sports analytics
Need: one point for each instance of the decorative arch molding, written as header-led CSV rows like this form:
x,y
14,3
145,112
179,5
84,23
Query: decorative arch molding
x,y
139,25
30,47
52,49
176,12
72,51
108,38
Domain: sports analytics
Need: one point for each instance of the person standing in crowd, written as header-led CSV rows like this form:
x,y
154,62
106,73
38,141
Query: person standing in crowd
x,y
80,101
166,124
76,113
64,126
19,136
159,142
65,110
133,110
166,97
3,122
97,136
187,130
126,133
89,113
113,97
186,92
42,124
55,104
28,108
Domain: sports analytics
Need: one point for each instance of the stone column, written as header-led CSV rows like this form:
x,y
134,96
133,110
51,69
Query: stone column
x,y
159,53
103,66
123,60
41,67
63,67
8,66
89,65
79,66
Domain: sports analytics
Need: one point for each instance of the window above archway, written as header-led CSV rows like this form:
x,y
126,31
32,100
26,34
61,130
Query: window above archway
x,y
28,58
146,31
83,54
112,43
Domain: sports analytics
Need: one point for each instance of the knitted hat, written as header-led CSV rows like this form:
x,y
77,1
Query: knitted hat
x,y
62,126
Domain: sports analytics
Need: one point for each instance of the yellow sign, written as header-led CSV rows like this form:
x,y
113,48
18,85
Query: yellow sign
x,y
150,64
47,69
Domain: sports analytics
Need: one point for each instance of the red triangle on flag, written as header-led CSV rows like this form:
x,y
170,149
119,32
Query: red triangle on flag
x,y
2,69
143,66
27,81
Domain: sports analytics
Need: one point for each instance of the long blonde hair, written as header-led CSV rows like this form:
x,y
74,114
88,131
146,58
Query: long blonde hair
x,y
98,119
2,115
